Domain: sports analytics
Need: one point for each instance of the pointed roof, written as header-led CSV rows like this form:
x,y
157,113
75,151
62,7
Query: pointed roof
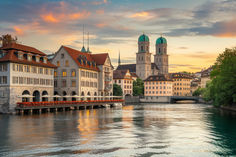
x,y
83,60
100,58
120,74
83,49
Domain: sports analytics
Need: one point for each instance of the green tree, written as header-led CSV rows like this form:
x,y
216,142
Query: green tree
x,y
222,89
198,92
138,87
117,91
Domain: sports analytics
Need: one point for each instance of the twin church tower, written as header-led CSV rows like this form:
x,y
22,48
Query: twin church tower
x,y
144,67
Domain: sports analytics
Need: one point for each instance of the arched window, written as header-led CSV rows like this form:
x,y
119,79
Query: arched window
x,y
141,48
159,50
44,96
26,93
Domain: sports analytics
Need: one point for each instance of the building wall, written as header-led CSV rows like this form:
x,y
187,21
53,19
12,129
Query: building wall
x,y
61,59
158,88
143,65
23,79
181,86
204,81
126,85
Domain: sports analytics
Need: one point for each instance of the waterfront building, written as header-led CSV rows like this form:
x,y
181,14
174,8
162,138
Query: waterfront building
x,y
82,73
144,67
181,84
25,75
158,85
205,76
195,84
124,79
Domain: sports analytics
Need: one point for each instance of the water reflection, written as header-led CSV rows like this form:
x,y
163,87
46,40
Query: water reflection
x,y
135,130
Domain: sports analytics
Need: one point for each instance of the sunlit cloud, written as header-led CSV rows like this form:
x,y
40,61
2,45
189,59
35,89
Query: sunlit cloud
x,y
18,30
140,15
101,25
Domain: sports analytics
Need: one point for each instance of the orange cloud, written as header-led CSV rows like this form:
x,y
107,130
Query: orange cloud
x,y
101,25
140,14
49,18
79,15
18,30
54,17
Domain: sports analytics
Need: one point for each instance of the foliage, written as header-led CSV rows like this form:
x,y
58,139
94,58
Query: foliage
x,y
198,92
222,89
7,39
138,87
117,91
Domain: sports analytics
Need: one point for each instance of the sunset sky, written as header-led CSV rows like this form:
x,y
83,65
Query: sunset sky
x,y
196,30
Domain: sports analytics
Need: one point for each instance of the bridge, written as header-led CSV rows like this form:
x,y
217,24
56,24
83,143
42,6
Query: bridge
x,y
174,99
54,106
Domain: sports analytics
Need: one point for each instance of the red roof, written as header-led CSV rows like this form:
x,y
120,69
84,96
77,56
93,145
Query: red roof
x,y
100,58
24,48
10,55
79,57
120,74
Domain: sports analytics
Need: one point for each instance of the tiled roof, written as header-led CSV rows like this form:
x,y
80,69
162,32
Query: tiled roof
x,y
207,72
181,75
159,77
15,46
154,66
100,58
130,67
10,56
134,74
86,60
120,74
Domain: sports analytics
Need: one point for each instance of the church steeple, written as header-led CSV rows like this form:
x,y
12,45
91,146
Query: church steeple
x,y
83,48
88,44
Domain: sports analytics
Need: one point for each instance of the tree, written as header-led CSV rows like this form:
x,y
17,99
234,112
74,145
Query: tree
x,y
138,87
7,39
198,92
117,91
222,89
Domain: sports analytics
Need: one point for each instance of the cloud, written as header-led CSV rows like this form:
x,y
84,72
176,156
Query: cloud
x,y
18,30
140,14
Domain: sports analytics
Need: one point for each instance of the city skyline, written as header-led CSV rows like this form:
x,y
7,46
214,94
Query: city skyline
x,y
196,32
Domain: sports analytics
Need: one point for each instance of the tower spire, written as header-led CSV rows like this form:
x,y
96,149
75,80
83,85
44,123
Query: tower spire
x,y
88,44
83,49
119,62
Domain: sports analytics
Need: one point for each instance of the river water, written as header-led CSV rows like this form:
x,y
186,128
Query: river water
x,y
134,130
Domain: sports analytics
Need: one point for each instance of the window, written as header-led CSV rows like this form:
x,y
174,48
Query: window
x,y
141,48
73,83
67,63
58,63
41,70
63,83
3,67
55,73
3,79
73,73
34,69
62,55
64,73
46,71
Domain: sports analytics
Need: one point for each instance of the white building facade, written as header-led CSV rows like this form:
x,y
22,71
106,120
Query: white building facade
x,y
25,76
82,74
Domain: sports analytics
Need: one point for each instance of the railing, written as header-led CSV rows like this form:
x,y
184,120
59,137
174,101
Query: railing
x,y
64,103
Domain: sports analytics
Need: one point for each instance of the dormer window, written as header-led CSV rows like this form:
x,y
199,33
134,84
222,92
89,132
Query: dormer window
x,y
37,58
20,55
29,57
45,60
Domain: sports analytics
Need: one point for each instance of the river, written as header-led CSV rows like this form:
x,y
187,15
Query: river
x,y
134,130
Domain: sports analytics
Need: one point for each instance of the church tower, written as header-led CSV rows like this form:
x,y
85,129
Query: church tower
x,y
161,57
143,57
